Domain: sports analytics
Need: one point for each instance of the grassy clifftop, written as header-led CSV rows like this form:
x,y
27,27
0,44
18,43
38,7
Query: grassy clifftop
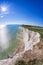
x,y
34,61
35,28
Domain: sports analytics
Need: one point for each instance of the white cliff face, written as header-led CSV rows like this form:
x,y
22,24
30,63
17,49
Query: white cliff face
x,y
30,38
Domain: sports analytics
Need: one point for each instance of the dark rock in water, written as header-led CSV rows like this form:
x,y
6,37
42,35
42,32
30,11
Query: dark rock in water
x,y
9,56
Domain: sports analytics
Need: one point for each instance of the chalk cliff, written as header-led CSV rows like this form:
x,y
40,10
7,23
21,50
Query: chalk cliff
x,y
29,47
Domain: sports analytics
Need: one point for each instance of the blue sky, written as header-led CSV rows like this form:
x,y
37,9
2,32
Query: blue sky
x,y
22,11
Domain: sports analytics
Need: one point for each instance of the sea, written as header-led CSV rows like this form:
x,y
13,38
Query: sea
x,y
8,39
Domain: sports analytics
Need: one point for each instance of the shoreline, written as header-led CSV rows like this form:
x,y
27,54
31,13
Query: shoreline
x,y
28,43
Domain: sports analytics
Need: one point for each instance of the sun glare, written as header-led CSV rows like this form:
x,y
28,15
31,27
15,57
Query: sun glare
x,y
3,8
1,26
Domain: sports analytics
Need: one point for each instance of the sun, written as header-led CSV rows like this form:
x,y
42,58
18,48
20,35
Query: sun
x,y
3,8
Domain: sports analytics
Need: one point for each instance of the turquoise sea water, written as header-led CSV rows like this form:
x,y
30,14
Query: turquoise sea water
x,y
8,47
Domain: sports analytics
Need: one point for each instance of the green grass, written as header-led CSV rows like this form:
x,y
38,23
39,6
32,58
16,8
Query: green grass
x,y
31,62
36,29
20,62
